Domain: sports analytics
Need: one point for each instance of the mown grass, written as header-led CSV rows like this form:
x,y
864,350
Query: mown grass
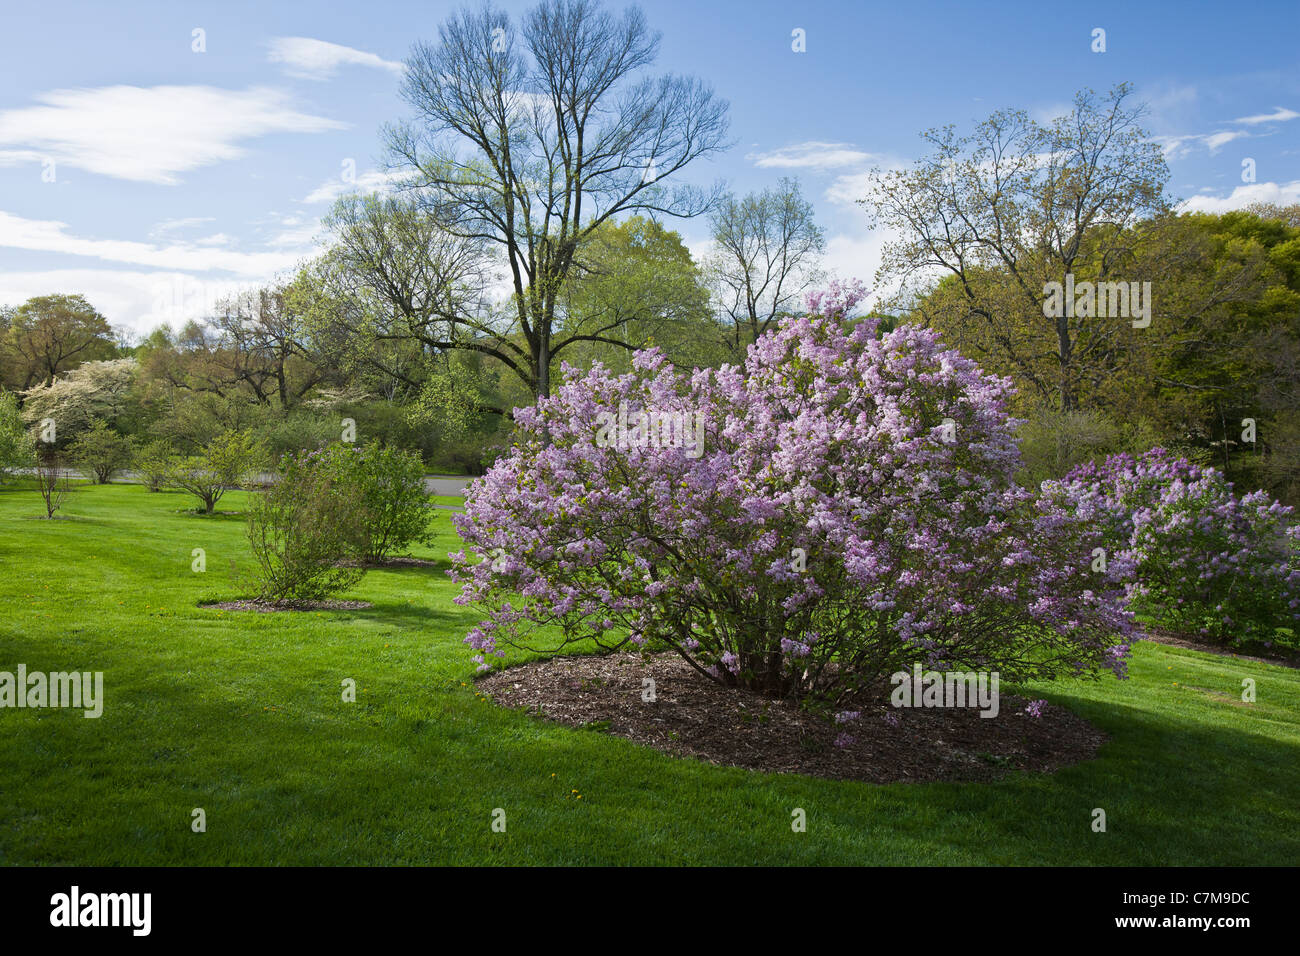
x,y
241,714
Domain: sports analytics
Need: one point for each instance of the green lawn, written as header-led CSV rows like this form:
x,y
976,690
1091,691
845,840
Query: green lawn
x,y
241,714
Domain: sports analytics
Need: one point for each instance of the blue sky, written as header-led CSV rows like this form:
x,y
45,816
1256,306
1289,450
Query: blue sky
x,y
152,178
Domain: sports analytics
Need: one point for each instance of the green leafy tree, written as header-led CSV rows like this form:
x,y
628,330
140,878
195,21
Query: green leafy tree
x,y
1232,347
17,449
389,485
51,334
635,281
1017,205
153,461
100,451
227,461
191,419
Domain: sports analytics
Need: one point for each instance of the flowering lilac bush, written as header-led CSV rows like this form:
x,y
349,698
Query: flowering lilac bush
x,y
1204,560
852,511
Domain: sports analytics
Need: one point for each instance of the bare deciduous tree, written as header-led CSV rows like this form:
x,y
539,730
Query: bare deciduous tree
x,y
766,255
530,139
265,344
51,481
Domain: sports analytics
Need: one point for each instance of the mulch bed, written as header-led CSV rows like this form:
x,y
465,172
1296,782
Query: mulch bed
x,y
693,717
1282,656
269,607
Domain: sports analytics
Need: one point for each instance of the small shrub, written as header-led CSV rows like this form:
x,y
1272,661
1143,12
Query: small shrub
x,y
390,485
227,461
51,481
307,533
1053,443
100,452
154,462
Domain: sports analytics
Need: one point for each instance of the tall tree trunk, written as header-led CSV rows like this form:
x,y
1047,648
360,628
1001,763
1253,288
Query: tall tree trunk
x,y
1066,352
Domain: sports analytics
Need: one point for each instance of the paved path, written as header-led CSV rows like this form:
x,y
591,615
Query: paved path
x,y
445,484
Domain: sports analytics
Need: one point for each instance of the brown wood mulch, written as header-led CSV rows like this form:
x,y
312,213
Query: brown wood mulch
x,y
693,717
270,607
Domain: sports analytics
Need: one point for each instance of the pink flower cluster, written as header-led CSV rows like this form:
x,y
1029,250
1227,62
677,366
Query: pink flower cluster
x,y
853,512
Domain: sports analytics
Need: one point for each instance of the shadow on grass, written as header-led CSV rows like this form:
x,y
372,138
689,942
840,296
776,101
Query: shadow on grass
x,y
391,612
457,622
1177,789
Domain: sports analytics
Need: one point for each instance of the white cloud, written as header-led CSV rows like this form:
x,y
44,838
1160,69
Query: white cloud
x,y
1279,115
50,236
374,181
813,155
136,301
298,236
858,256
846,190
1164,99
1215,141
147,134
1175,147
1179,147
310,59
1285,194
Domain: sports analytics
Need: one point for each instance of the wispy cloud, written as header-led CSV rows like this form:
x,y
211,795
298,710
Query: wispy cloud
x,y
1216,141
373,181
148,134
310,59
169,226
50,236
851,166
813,155
846,190
134,300
1178,147
1279,115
